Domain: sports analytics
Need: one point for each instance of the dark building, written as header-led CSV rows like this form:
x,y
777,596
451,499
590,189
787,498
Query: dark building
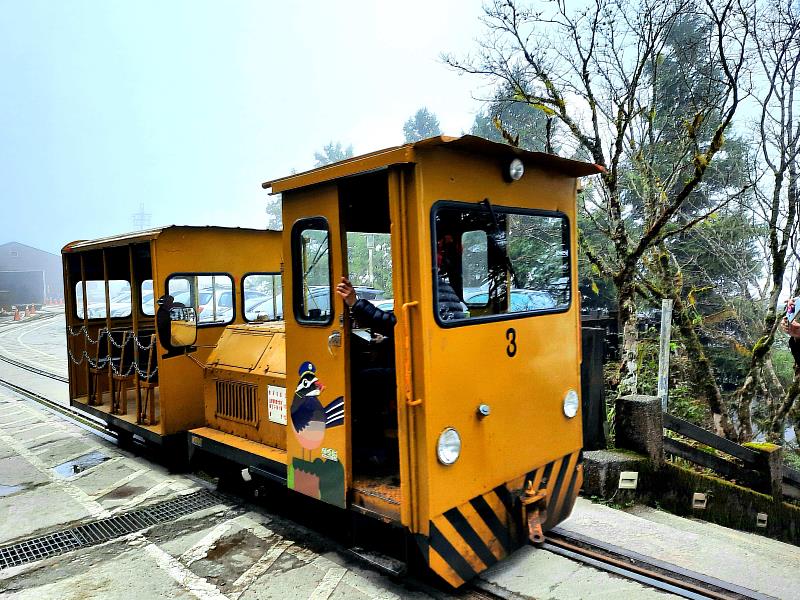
x,y
29,275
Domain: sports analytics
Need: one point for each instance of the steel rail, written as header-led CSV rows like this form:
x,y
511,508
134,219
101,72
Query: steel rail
x,y
43,372
644,569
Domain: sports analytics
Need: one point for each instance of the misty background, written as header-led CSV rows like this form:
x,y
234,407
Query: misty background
x,y
117,115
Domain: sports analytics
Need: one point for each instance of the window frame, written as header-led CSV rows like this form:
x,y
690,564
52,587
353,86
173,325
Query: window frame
x,y
498,208
319,223
206,274
241,285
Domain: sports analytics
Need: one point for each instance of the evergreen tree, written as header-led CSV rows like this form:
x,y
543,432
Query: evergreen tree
x,y
423,124
331,153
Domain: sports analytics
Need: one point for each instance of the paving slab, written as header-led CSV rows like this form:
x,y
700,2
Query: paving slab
x,y
16,471
60,451
132,574
535,573
36,510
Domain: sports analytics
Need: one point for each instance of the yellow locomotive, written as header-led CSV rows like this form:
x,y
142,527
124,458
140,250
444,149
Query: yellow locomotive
x,y
461,422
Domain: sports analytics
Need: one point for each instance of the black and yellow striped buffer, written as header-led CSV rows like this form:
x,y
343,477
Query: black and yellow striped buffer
x,y
470,538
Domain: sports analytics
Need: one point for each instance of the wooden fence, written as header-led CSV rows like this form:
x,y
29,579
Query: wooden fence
x,y
750,468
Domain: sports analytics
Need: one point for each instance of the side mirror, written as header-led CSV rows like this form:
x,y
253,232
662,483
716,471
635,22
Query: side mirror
x,y
182,327
176,325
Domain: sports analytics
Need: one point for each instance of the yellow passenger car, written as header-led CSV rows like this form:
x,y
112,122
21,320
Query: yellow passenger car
x,y
461,423
117,370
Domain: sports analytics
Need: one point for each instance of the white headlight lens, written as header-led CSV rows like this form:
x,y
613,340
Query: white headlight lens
x,y
448,447
571,403
516,169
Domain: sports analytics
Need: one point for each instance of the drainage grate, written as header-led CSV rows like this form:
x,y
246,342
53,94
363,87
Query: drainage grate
x,y
106,529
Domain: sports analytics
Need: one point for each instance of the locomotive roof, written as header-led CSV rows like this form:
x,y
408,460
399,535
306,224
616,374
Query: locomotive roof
x,y
144,235
406,154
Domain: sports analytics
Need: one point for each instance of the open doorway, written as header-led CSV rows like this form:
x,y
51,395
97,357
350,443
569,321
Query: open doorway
x,y
364,212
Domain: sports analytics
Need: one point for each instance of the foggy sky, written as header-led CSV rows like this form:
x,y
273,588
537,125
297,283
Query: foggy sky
x,y
186,107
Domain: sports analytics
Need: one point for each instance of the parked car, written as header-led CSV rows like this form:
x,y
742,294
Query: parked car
x,y
264,309
368,293
521,300
386,304
206,304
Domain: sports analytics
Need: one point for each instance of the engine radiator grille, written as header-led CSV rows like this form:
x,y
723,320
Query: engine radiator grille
x,y
237,401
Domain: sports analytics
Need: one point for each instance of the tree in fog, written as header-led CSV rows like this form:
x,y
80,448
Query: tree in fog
x,y
594,70
274,210
507,119
777,198
331,153
423,124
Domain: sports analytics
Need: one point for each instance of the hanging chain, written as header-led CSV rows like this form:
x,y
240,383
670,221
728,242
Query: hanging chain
x,y
75,360
143,374
73,333
142,346
107,360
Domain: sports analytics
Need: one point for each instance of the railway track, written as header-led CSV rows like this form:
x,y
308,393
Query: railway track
x,y
15,326
32,369
644,569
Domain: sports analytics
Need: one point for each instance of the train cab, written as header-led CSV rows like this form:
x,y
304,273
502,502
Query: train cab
x,y
117,367
446,399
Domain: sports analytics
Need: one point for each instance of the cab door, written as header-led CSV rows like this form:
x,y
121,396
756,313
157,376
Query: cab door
x,y
318,418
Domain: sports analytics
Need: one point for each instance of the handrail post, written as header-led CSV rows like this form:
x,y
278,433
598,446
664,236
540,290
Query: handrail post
x,y
409,391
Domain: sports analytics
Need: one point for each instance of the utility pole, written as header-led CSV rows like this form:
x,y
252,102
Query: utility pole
x,y
663,352
371,248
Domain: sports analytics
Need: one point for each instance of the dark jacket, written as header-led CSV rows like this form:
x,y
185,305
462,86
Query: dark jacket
x,y
450,306
369,315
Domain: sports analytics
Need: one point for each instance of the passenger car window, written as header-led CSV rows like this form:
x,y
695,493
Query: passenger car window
x,y
262,294
312,281
499,261
119,292
211,295
148,303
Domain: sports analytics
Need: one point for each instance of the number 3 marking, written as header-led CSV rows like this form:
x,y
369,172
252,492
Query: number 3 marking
x,y
511,336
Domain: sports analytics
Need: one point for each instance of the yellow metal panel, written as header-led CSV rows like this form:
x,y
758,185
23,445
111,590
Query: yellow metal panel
x,y
243,350
262,450
460,368
320,470
273,360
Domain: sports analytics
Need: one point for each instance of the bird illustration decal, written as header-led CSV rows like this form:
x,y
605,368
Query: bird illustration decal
x,y
309,418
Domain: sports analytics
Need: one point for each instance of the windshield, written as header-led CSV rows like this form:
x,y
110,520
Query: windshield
x,y
494,261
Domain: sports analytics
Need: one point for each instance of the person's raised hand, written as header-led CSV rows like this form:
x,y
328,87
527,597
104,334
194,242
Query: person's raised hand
x,y
346,291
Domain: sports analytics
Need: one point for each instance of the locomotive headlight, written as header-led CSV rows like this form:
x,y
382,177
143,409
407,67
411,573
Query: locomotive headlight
x,y
516,170
571,404
448,447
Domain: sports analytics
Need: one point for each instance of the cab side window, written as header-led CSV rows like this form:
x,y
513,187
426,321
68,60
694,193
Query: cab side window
x,y
312,276
262,296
